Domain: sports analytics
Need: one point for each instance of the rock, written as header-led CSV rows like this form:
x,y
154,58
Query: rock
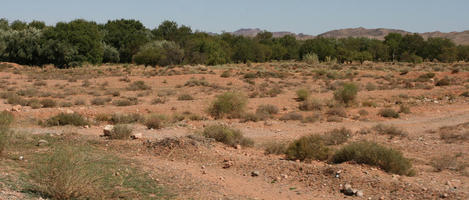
x,y
16,108
136,136
21,158
255,173
68,111
348,190
86,126
227,164
238,146
268,123
284,176
444,195
42,142
107,130
359,193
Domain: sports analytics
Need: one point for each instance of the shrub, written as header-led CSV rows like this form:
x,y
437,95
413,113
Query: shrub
x,y
63,119
155,121
67,173
311,58
370,86
6,118
404,109
291,116
388,113
310,147
337,136
185,97
5,135
443,82
80,102
100,101
230,104
277,148
266,110
138,85
158,100
16,100
302,94
253,117
346,94
159,53
310,104
369,104
225,74
126,102
337,111
48,103
447,162
389,130
370,153
121,131
125,118
450,136
227,135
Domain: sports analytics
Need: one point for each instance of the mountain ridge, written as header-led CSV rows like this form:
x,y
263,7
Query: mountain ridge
x,y
461,37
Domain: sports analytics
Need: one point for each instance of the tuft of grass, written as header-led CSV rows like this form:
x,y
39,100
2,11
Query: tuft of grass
x,y
6,118
231,104
302,94
155,121
404,109
185,97
63,119
266,110
310,104
48,103
120,132
98,101
227,135
389,130
138,85
388,113
347,94
311,147
337,136
125,118
291,116
370,153
277,148
448,162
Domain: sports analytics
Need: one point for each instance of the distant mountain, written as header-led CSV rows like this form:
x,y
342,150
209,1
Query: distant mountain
x,y
378,33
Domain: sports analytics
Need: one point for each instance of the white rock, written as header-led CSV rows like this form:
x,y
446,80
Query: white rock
x,y
136,136
107,130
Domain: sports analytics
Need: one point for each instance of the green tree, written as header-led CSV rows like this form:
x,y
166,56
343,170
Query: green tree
x,y
18,25
110,54
323,47
127,36
159,53
393,41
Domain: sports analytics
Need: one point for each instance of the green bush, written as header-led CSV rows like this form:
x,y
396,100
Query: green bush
x,y
310,104
227,135
347,94
63,119
388,113
120,131
404,109
302,94
277,148
311,147
125,118
160,53
370,153
231,104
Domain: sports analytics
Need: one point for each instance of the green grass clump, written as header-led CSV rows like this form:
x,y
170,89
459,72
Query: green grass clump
x,y
347,94
231,104
63,119
125,118
277,148
120,132
227,135
371,153
311,147
302,94
337,136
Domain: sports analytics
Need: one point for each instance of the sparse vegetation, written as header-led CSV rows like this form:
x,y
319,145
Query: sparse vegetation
x,y
346,94
302,94
388,113
371,153
389,130
310,147
63,119
155,121
229,104
337,136
121,131
227,135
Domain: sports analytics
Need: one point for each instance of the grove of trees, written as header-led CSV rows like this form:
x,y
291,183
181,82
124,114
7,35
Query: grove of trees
x,y
69,44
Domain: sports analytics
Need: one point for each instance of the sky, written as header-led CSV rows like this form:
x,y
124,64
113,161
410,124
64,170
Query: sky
x,y
300,16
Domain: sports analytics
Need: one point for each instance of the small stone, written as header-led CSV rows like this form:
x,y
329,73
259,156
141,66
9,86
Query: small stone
x,y
348,190
444,195
255,173
238,146
136,136
68,111
359,193
284,176
107,130
86,126
16,108
21,158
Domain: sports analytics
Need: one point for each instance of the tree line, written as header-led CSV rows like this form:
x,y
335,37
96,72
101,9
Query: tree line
x,y
70,44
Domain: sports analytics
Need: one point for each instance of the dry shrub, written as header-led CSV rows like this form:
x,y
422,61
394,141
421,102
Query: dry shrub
x,y
388,113
291,116
63,119
337,136
277,148
155,121
227,135
347,94
302,94
310,104
310,147
120,132
371,153
389,130
231,104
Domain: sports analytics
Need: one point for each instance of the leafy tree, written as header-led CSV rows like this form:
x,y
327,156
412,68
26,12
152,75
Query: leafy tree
x,y
321,46
159,53
393,40
442,49
110,54
204,49
289,44
127,36
412,45
4,24
83,35
18,25
23,46
37,24
463,52
169,30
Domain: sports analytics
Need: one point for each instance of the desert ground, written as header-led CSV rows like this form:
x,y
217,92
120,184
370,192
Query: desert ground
x,y
429,125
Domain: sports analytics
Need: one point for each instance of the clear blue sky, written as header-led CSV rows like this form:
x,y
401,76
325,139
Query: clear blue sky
x,y
300,16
